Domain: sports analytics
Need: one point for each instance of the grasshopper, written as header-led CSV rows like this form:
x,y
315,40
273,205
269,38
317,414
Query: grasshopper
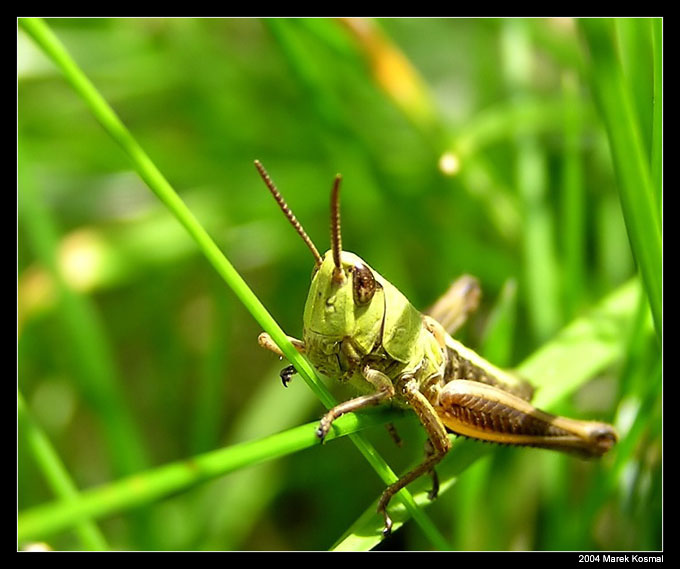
x,y
359,328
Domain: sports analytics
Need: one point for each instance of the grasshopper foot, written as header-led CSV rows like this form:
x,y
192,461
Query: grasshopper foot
x,y
323,428
382,509
385,392
287,374
387,529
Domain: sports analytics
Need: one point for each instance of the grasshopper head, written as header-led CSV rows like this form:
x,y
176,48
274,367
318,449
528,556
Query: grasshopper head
x,y
343,299
346,298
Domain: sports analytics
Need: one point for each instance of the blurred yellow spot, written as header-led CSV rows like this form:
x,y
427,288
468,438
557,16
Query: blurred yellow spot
x,y
36,546
562,24
394,73
80,259
392,70
35,293
449,164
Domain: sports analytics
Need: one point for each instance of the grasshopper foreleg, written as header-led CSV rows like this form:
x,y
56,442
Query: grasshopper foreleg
x,y
265,341
287,373
439,442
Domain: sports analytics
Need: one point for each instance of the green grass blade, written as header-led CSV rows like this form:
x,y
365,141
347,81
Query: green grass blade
x,y
583,349
497,343
657,121
573,201
44,37
56,475
640,207
153,485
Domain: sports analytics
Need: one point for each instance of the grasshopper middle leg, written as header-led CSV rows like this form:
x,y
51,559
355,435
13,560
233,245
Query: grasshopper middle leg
x,y
384,392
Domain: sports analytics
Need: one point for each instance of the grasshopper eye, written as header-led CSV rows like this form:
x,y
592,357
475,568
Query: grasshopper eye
x,y
364,284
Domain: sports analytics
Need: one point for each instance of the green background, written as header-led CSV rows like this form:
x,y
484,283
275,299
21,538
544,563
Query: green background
x,y
132,352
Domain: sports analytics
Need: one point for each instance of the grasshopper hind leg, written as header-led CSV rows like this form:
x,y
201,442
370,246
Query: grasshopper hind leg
x,y
453,308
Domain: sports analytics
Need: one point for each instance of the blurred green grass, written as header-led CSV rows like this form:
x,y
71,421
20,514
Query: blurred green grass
x,y
536,200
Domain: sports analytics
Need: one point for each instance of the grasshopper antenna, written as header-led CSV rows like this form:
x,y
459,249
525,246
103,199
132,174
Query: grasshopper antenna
x,y
336,236
288,213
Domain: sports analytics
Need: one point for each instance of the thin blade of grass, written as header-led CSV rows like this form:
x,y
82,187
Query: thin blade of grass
x,y
56,474
640,206
153,485
657,121
496,346
573,201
